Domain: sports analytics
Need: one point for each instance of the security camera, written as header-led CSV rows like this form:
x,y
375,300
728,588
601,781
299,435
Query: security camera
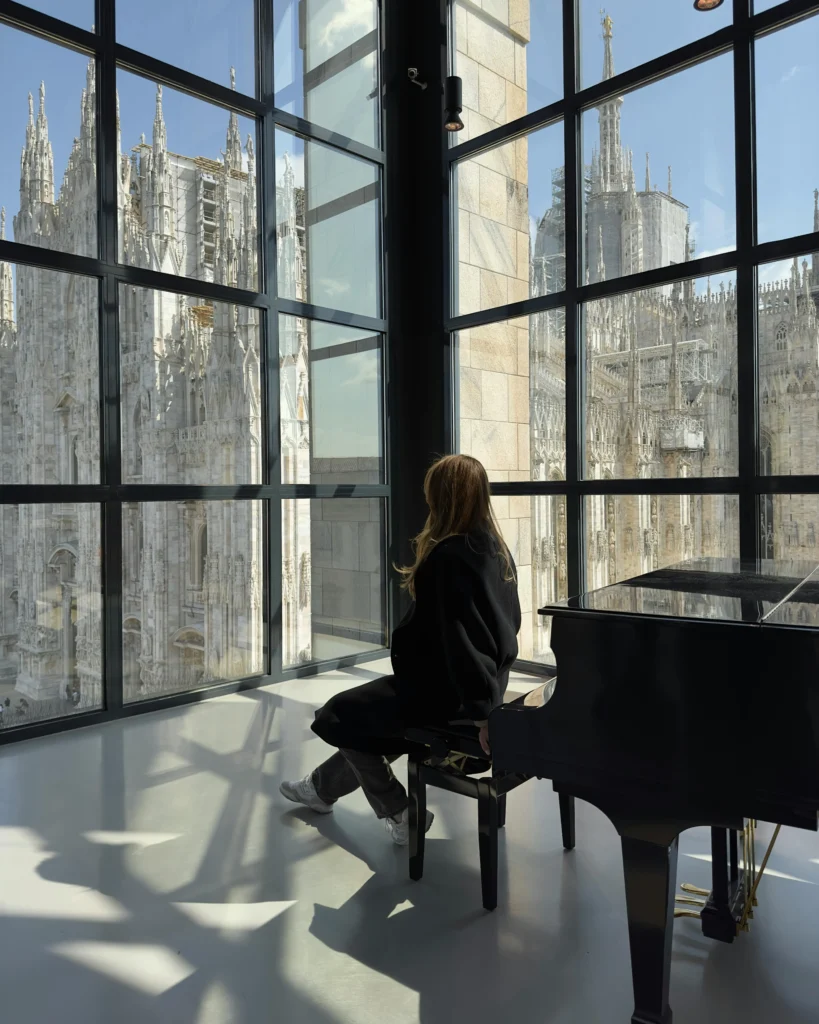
x,y
412,75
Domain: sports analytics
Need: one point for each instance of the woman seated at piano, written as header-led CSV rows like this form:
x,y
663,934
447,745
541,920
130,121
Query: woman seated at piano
x,y
450,655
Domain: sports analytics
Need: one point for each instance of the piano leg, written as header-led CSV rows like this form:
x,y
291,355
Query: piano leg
x,y
567,819
651,878
417,792
717,922
488,841
502,811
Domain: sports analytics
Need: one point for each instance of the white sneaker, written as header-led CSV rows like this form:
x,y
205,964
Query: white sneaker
x,y
398,827
304,792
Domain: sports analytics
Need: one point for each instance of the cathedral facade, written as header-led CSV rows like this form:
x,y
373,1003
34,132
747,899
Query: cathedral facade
x,y
190,413
660,383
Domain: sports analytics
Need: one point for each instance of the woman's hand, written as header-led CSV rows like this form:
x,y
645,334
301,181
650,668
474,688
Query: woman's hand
x,y
483,737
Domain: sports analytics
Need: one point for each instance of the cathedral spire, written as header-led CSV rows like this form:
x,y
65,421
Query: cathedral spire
x,y
6,286
40,156
670,190
601,263
613,171
815,259
608,59
634,369
160,136
88,115
674,395
233,148
648,173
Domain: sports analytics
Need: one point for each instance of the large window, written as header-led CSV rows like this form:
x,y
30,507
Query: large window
x,y
192,350
232,275
639,388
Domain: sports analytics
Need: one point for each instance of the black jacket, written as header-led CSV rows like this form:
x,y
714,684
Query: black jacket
x,y
452,652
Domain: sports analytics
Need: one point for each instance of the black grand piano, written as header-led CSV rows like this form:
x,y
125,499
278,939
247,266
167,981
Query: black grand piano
x,y
685,697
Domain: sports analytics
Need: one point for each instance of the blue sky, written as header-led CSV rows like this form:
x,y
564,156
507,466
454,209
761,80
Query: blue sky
x,y
685,121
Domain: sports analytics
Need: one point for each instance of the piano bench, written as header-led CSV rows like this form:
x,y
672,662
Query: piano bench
x,y
454,754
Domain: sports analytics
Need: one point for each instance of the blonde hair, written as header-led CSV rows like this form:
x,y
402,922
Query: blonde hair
x,y
457,491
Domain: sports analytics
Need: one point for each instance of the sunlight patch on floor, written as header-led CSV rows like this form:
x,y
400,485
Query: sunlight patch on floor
x,y
148,968
233,916
768,871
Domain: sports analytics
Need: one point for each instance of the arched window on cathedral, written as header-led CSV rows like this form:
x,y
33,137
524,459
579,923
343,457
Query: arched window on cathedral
x,y
199,557
781,338
74,467
138,439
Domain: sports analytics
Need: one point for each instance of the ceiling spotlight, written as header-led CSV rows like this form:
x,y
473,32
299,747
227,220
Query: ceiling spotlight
x,y
707,5
453,104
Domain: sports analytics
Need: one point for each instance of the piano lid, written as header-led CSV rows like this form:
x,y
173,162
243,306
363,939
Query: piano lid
x,y
775,592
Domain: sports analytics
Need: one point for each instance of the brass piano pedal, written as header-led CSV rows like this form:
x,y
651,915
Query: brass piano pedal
x,y
695,889
694,901
687,913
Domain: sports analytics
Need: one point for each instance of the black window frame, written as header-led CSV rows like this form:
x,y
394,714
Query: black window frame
x,y
111,493
749,484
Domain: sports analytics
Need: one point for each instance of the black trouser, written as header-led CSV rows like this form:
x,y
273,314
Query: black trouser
x,y
346,770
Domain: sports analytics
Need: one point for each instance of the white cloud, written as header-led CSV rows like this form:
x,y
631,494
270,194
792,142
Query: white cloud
x,y
354,20
334,288
366,373
790,75
714,252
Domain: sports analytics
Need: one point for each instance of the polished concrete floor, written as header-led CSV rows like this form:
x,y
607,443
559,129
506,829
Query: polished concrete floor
x,y
150,873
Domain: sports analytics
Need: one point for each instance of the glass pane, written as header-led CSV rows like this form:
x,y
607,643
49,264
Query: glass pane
x,y
764,5
627,535
333,559
788,338
188,205
661,382
631,222
331,394
49,382
534,528
786,66
644,31
789,524
191,398
50,194
550,568
77,12
512,397
192,596
494,401
328,217
326,64
213,39
51,635
509,55
511,225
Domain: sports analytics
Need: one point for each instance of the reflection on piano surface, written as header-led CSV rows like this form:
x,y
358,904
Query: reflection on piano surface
x,y
688,696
